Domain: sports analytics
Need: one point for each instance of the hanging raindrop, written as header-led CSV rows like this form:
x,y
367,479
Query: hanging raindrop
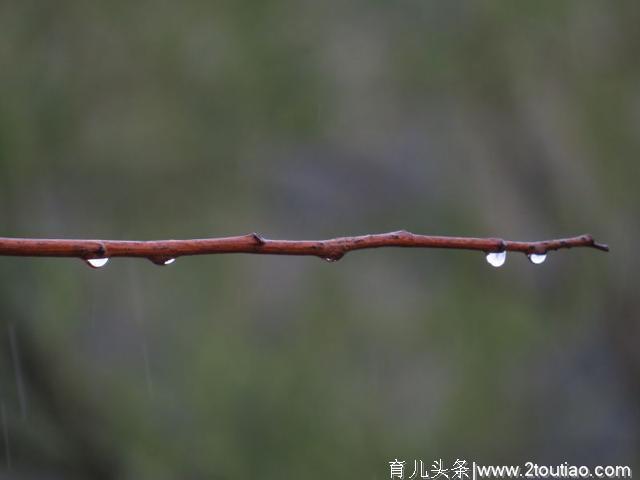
x,y
97,262
496,259
162,260
537,258
333,258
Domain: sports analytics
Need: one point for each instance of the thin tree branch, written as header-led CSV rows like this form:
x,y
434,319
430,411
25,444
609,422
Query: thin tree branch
x,y
160,251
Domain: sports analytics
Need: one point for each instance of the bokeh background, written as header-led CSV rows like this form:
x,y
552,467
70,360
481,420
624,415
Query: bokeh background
x,y
301,119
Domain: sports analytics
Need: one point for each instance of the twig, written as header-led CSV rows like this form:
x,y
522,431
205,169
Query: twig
x,y
162,251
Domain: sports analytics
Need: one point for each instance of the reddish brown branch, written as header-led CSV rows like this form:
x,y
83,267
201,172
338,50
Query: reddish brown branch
x,y
159,251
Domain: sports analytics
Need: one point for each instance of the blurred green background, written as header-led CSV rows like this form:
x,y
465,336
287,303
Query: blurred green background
x,y
300,119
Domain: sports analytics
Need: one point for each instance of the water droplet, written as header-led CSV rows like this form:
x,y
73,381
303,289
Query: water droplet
x,y
97,262
496,259
162,260
537,258
333,258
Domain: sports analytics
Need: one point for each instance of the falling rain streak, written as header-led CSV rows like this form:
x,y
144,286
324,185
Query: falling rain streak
x,y
97,262
496,259
17,369
5,436
147,368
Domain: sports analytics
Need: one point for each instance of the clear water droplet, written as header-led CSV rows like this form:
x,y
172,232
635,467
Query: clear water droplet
x,y
537,258
496,259
162,261
333,257
97,262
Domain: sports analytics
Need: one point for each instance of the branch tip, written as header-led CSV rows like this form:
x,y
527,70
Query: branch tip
x,y
601,246
591,241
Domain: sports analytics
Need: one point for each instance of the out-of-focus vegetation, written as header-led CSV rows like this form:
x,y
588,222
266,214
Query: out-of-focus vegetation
x,y
310,120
